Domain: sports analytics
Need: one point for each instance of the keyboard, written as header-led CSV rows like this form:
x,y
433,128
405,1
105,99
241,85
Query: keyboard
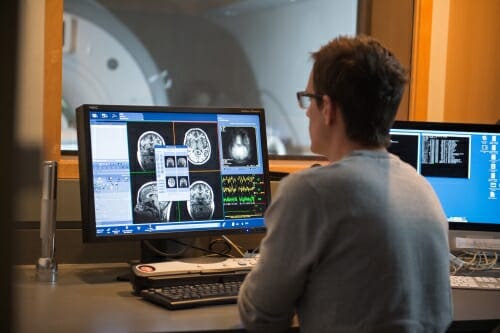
x,y
475,282
191,283
193,295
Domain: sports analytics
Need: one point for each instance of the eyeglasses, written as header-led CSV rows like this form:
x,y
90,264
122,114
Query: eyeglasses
x,y
304,98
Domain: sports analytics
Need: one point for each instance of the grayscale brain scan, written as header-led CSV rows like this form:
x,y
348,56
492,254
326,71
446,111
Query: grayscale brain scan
x,y
181,162
199,148
146,149
171,182
201,203
148,204
183,182
169,162
240,148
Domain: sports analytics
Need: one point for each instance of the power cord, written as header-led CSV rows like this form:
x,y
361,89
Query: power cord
x,y
234,246
224,240
219,245
202,249
473,261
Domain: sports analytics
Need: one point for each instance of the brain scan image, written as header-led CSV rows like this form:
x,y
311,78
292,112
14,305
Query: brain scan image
x,y
146,149
169,162
171,182
183,182
198,144
148,205
201,203
240,147
181,162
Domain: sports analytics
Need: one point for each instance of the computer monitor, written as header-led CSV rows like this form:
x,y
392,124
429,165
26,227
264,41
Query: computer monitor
x,y
461,162
151,172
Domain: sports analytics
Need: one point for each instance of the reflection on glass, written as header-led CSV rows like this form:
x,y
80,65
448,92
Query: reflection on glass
x,y
246,53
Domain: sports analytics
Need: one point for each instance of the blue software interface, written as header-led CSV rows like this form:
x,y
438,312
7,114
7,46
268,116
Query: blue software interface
x,y
161,172
461,165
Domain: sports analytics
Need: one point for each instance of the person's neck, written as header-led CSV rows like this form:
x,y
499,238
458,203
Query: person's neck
x,y
339,151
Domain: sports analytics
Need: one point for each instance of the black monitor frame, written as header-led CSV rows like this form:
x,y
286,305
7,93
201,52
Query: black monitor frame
x,y
457,127
87,173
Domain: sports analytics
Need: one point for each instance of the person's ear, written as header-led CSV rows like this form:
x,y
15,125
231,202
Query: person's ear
x,y
329,110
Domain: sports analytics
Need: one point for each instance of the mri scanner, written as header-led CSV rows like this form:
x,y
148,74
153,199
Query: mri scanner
x,y
111,57
104,63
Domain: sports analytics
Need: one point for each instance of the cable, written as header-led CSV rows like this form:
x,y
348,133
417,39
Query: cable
x,y
165,254
226,247
201,249
474,261
236,247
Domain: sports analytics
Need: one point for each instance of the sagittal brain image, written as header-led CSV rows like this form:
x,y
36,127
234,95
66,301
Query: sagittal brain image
x,y
198,143
239,145
148,206
145,149
201,202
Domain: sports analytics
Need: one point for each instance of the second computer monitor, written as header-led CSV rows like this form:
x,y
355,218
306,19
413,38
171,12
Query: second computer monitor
x,y
461,163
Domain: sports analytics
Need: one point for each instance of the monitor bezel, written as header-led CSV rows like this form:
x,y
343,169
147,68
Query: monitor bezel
x,y
460,127
89,226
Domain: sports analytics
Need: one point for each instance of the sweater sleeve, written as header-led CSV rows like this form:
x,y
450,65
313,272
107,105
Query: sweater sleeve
x,y
271,290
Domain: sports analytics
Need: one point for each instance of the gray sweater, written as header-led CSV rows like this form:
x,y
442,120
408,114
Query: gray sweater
x,y
359,245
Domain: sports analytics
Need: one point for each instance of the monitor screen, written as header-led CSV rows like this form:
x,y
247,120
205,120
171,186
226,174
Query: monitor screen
x,y
169,172
461,162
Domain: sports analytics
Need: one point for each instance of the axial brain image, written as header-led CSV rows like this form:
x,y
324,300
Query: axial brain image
x,y
198,144
145,149
201,203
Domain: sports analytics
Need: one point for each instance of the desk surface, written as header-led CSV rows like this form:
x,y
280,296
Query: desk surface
x,y
88,298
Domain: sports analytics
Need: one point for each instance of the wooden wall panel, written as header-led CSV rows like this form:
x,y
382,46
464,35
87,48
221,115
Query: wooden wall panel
x,y
473,70
52,81
420,63
392,24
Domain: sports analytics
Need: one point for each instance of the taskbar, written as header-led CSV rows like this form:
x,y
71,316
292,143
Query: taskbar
x,y
151,228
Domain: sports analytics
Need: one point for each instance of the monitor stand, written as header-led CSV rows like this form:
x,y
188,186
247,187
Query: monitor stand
x,y
157,250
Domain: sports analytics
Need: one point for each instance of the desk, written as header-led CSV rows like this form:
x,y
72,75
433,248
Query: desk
x,y
88,298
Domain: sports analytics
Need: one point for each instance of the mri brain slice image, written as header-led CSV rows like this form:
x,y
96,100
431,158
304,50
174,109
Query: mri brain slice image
x,y
183,182
198,143
171,182
146,149
239,145
148,205
201,203
181,162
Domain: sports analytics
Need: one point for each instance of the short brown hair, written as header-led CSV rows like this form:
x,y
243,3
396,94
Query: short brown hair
x,y
366,80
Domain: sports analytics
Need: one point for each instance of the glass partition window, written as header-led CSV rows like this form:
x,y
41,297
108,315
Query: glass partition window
x,y
227,53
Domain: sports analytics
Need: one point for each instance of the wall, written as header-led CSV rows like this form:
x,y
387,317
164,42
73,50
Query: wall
x,y
460,80
30,73
397,36
29,101
472,69
8,35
